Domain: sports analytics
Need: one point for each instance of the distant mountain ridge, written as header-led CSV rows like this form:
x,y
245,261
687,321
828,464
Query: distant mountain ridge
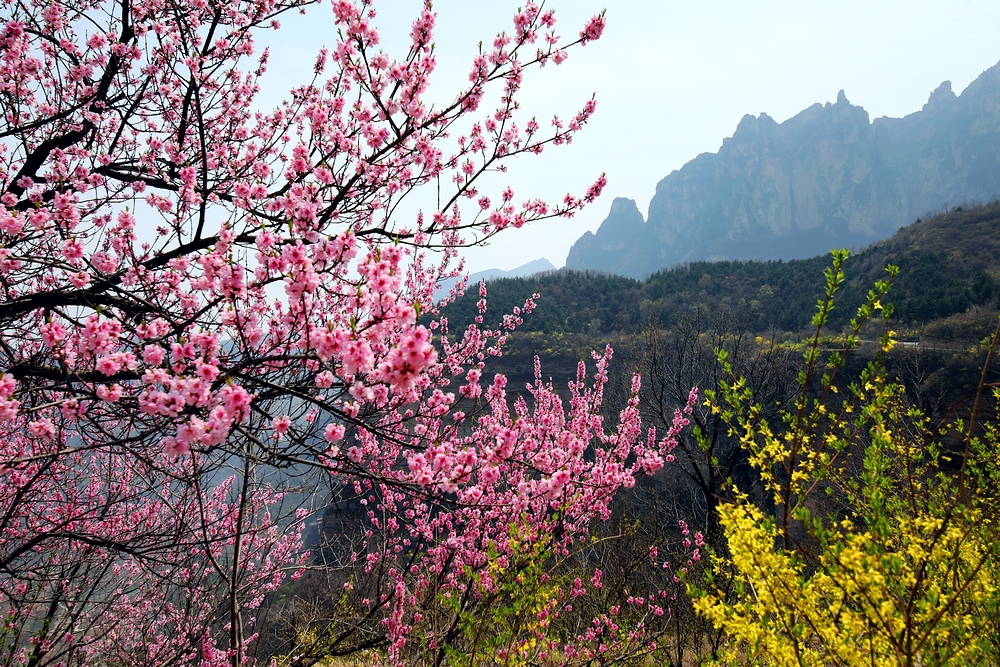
x,y
523,271
824,178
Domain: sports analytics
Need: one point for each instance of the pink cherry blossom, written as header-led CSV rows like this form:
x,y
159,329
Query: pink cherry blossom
x,y
281,424
190,272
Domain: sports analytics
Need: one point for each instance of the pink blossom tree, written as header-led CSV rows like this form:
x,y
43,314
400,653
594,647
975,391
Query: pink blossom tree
x,y
108,557
190,284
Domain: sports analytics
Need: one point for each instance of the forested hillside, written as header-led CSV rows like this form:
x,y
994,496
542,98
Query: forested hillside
x,y
948,264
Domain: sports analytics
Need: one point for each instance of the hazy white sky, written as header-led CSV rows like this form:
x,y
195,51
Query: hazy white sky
x,y
674,78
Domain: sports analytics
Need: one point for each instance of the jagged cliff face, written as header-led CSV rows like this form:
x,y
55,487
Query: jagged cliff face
x,y
619,245
826,178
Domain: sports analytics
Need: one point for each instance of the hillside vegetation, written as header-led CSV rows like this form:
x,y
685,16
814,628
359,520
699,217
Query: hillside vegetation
x,y
949,264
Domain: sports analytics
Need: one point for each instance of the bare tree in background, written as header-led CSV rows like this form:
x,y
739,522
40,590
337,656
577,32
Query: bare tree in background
x,y
673,360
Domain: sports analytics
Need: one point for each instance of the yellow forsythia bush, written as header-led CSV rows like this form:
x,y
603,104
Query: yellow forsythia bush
x,y
881,544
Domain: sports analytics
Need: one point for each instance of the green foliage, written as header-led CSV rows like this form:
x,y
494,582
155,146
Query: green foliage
x,y
933,284
572,302
516,601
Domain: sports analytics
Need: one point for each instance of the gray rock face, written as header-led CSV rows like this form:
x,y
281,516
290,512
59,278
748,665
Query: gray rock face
x,y
828,177
614,248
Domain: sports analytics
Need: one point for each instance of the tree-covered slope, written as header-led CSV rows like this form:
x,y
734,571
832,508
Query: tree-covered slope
x,y
948,263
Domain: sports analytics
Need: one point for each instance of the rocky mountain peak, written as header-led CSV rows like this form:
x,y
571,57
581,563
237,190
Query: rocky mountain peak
x,y
941,96
623,209
613,247
827,177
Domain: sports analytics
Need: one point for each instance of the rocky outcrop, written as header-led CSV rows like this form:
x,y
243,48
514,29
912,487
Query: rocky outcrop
x,y
828,177
614,248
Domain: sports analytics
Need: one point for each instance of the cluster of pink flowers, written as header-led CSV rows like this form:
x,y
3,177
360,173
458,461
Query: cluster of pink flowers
x,y
190,282
8,404
124,541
